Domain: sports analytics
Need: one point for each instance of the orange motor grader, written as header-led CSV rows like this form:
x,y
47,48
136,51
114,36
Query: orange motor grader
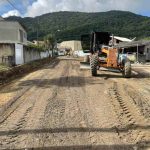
x,y
101,54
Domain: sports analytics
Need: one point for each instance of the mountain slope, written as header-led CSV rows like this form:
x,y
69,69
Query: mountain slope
x,y
73,24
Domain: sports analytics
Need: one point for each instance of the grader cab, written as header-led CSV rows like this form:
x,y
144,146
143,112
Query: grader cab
x,y
104,54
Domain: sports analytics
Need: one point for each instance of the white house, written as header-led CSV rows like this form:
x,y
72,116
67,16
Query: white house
x,y
116,40
72,45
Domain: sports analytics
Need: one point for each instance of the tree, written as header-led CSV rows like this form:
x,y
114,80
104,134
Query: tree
x,y
49,43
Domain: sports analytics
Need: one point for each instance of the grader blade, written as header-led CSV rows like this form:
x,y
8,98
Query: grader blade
x,y
85,65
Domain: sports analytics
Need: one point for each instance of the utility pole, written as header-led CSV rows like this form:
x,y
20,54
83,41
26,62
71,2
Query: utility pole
x,y
56,37
112,40
37,31
137,53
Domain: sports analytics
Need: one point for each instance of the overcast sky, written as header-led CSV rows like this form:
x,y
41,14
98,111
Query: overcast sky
x,y
32,8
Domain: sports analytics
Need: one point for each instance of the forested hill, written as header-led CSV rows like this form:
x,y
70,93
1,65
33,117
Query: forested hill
x,y
73,24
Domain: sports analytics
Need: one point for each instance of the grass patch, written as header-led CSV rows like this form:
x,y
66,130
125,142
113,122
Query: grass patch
x,y
4,67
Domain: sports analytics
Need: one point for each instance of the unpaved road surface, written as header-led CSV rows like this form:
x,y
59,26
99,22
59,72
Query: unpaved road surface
x,y
60,107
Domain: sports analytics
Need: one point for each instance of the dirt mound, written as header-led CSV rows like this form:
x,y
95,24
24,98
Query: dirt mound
x,y
12,73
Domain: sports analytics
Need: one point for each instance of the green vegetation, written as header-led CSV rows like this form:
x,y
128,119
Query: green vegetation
x,y
147,38
49,43
74,24
39,48
4,67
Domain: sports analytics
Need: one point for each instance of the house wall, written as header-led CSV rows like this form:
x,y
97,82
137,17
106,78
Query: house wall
x,y
7,53
12,32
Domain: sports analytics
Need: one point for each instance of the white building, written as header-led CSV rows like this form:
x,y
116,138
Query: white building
x,y
72,45
116,40
13,38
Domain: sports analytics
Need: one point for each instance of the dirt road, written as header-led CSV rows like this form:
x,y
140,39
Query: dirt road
x,y
61,107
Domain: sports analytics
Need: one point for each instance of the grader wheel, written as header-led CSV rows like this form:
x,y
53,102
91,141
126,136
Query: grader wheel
x,y
127,69
94,63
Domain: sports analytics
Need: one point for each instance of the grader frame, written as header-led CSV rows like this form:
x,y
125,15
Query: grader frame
x,y
102,54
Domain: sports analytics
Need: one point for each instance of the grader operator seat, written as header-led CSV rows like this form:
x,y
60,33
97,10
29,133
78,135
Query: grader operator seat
x,y
98,39
94,41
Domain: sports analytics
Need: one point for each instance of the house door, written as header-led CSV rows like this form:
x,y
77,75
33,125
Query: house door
x,y
19,59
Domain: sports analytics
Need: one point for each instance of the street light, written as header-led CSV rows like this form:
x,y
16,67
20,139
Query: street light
x,y
56,36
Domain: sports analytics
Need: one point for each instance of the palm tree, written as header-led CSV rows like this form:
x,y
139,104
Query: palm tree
x,y
49,42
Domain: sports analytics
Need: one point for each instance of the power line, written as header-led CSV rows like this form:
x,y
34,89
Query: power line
x,y
13,5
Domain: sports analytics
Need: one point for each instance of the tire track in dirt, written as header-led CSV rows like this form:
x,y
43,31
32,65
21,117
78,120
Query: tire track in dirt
x,y
35,122
77,115
54,112
82,113
14,102
139,99
129,116
64,114
25,108
69,108
84,107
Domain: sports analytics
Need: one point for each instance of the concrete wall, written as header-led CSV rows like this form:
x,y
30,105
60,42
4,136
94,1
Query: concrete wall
x,y
31,55
12,32
45,54
7,53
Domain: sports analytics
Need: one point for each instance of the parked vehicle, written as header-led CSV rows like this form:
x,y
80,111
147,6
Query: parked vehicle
x,y
81,53
61,53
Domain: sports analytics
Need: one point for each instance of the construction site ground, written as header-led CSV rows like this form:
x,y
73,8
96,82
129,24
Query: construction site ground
x,y
60,107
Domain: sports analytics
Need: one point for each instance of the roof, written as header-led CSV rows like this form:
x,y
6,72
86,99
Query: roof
x,y
133,44
12,42
7,42
123,39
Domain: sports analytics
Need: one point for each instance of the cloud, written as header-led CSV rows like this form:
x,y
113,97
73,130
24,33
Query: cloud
x,y
45,6
38,7
11,13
